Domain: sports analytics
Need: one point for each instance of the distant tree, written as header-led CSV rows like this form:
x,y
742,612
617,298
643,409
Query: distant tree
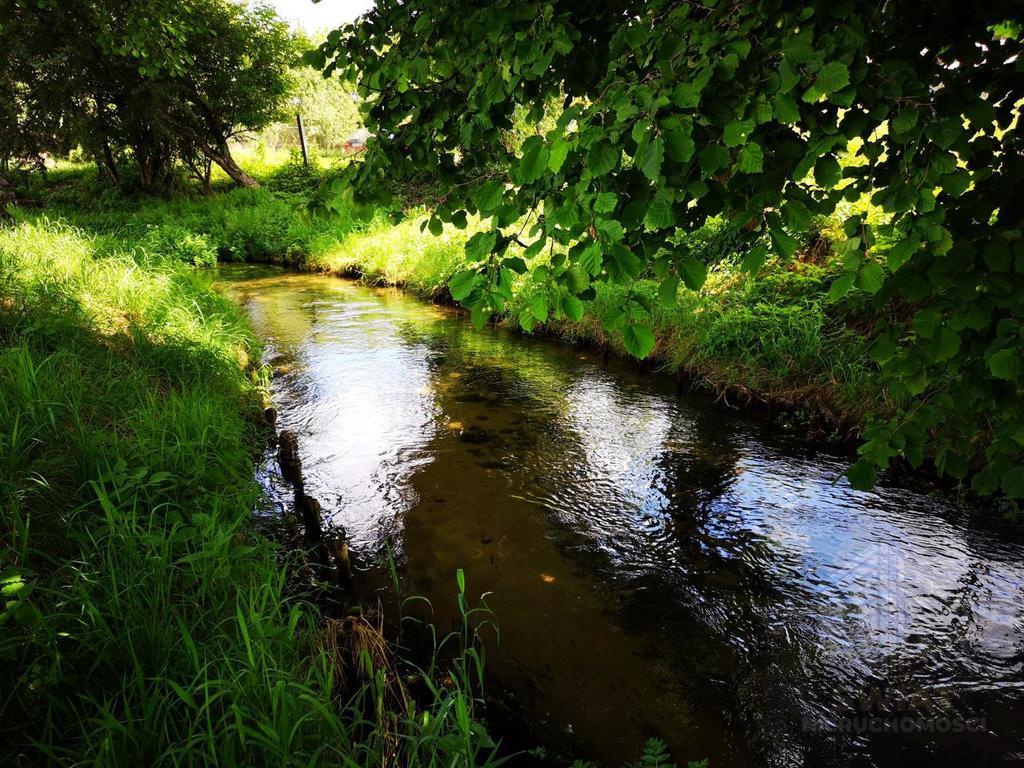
x,y
162,79
234,78
30,123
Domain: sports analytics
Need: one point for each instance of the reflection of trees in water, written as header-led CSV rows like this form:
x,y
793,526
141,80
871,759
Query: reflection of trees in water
x,y
578,435
638,494
719,608
794,658
703,603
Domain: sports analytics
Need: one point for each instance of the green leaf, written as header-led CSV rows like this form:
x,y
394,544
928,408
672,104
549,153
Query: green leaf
x,y
737,132
687,95
650,156
926,322
577,278
435,226
462,283
751,159
832,77
534,161
679,145
557,154
480,245
713,158
1013,483
487,196
639,340
479,315
862,475
903,121
945,345
539,307
955,183
605,202
945,132
659,213
882,350
668,289
592,257
610,229
827,171
693,271
785,109
573,308
986,481
788,76
516,264
796,215
784,244
755,259
602,158
870,277
614,319
900,253
1005,364
841,286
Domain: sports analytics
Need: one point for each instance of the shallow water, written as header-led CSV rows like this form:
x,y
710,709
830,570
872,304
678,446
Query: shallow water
x,y
659,565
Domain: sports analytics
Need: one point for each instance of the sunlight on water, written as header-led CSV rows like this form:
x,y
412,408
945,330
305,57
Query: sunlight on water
x,y
660,565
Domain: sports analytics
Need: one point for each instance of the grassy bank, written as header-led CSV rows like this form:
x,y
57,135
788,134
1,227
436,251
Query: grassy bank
x,y
773,337
142,620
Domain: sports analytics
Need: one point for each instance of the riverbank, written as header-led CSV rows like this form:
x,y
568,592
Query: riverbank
x,y
773,338
144,619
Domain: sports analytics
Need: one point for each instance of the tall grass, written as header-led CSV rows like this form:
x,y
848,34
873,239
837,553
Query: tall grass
x,y
773,336
142,621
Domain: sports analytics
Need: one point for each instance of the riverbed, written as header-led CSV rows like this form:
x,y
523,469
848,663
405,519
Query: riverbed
x,y
658,563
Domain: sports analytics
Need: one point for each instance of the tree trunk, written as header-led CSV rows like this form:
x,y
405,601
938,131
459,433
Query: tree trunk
x,y
142,159
107,163
221,155
207,178
155,162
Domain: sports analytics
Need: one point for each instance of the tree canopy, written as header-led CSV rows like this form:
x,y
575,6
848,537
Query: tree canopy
x,y
162,80
766,114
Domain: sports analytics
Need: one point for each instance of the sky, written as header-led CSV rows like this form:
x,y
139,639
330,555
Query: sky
x,y
327,14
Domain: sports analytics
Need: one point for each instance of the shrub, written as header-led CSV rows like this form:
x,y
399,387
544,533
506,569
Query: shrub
x,y
181,244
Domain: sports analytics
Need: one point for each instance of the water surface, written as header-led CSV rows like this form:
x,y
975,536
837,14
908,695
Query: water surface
x,y
659,565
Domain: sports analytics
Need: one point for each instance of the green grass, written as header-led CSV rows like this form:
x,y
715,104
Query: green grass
x,y
772,337
142,620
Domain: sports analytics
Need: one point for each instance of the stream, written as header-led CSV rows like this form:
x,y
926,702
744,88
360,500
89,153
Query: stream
x,y
658,563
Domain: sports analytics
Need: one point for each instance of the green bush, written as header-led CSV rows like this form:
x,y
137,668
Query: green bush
x,y
181,244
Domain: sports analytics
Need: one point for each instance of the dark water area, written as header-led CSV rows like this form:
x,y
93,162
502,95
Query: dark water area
x,y
659,565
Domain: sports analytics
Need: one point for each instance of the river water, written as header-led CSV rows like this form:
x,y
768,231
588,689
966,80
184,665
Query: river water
x,y
659,565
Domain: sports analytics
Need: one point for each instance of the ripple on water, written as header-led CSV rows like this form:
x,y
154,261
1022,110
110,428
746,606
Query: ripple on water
x,y
721,579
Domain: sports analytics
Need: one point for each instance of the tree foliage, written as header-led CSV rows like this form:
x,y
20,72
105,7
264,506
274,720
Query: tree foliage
x,y
330,112
670,112
162,79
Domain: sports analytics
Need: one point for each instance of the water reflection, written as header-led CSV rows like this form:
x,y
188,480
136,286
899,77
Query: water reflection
x,y
659,566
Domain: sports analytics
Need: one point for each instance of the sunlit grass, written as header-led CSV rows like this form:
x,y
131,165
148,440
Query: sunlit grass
x,y
142,620
773,336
